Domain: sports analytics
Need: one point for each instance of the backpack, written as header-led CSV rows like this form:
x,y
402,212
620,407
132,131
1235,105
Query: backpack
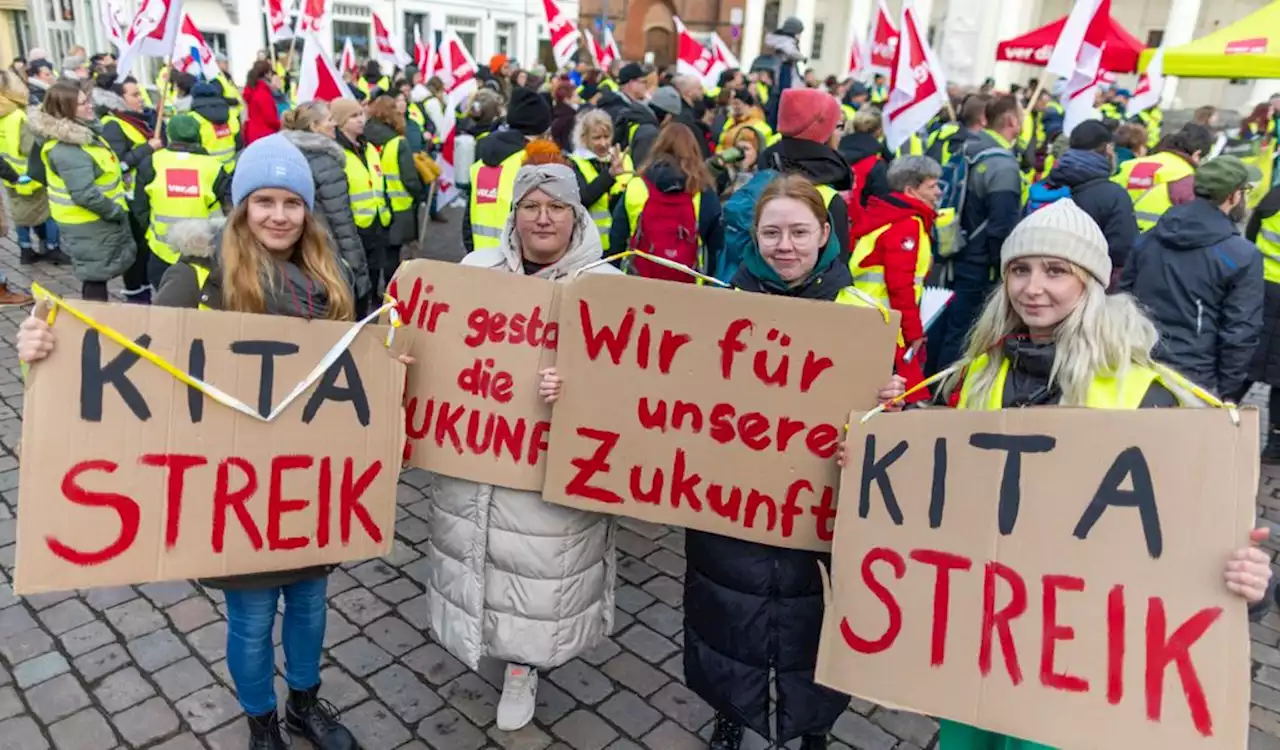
x,y
955,188
1042,194
739,216
668,228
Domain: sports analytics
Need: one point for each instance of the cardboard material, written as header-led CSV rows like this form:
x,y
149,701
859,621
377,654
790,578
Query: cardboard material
x,y
480,338
130,476
917,614
650,425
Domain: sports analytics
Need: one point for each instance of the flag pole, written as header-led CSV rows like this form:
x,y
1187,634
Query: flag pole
x,y
271,45
1035,97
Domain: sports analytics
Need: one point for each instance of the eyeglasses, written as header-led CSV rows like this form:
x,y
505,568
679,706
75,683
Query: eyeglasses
x,y
772,236
531,210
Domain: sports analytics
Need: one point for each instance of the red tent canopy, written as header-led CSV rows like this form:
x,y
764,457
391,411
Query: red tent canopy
x,y
1035,47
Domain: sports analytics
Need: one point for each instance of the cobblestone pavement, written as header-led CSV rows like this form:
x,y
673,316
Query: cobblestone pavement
x,y
144,666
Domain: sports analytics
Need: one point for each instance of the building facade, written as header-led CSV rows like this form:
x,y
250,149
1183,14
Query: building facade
x,y
647,27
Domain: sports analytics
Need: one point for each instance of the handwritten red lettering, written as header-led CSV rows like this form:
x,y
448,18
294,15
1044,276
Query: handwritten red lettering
x,y
1115,644
756,431
1176,649
225,500
427,313
886,597
126,510
349,505
994,621
1053,632
488,327
482,432
278,505
617,341
943,563
479,379
177,464
579,485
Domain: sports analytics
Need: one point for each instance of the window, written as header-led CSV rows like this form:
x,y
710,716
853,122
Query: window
x,y
1155,38
419,21
504,37
217,41
359,33
819,35
772,9
467,30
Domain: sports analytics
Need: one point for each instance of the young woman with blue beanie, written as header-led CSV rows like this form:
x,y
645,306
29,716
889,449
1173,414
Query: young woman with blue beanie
x,y
272,257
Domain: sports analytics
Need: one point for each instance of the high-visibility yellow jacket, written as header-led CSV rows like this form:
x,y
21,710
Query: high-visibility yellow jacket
x,y
183,188
367,188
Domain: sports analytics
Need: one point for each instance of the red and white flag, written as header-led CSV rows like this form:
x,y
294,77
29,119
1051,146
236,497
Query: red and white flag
x,y
917,88
277,21
152,32
458,69
421,52
385,48
692,58
884,41
1150,85
191,54
312,18
115,21
724,56
858,63
593,48
348,63
563,32
611,47
1077,57
317,78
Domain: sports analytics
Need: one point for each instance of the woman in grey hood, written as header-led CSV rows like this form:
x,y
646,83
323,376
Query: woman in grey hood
x,y
514,577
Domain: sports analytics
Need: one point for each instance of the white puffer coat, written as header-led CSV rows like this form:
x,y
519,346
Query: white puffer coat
x,y
513,577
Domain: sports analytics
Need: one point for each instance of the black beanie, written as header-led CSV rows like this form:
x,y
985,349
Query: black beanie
x,y
630,72
528,112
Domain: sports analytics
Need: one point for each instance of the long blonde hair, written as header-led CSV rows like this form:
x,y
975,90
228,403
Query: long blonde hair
x,y
246,264
1103,335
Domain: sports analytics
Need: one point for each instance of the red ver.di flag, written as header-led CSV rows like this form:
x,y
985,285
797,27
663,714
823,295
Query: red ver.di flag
x,y
191,54
318,79
312,18
563,32
1077,57
917,89
884,41
152,32
277,22
388,51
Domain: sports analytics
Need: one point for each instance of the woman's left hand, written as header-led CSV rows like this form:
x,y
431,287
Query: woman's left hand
x,y
406,360
550,385
1248,572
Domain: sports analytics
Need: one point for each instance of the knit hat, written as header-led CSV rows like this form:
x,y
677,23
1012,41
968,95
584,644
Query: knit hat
x,y
1218,178
273,162
528,112
556,180
182,128
630,72
792,27
1060,230
1089,135
342,110
666,99
496,62
808,115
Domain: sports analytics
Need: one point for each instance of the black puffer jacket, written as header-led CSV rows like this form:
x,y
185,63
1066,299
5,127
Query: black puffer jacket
x,y
855,147
1088,175
1202,284
1266,360
751,609
492,150
333,200
823,165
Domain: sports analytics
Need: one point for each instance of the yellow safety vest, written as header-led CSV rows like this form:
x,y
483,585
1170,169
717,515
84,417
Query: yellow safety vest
x,y
730,125
599,210
202,275
1268,242
11,150
1151,206
1152,119
62,208
367,188
870,279
397,195
219,141
1111,111
415,114
913,147
1151,170
637,196
135,138
1105,392
493,189
384,84
628,171
608,85
229,91
762,93
182,189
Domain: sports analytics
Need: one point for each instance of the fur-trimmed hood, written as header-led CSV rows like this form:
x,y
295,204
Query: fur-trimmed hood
x,y
48,127
310,143
105,100
197,238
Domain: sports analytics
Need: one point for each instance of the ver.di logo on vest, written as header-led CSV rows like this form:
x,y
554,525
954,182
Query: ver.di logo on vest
x,y
486,186
182,183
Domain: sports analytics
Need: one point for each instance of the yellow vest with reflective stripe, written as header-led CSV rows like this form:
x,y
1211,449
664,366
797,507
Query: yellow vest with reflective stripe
x,y
415,114
219,141
762,93
628,171
11,150
384,83
229,91
1168,168
913,147
599,210
1152,119
492,190
202,275
1268,242
1151,206
135,138
870,279
760,126
365,183
1105,392
182,189
637,196
66,211
397,195
608,85
828,194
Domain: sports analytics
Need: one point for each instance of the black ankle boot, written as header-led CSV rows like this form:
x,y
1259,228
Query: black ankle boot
x,y
316,720
727,735
814,742
264,733
1271,453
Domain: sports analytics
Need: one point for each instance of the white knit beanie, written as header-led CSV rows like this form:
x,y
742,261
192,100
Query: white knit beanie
x,y
1060,230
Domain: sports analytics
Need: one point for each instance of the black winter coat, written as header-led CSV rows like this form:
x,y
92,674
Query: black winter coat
x,y
750,608
1088,175
855,147
823,165
1202,285
1266,359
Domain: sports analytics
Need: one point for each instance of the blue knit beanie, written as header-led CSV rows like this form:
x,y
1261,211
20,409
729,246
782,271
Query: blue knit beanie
x,y
272,162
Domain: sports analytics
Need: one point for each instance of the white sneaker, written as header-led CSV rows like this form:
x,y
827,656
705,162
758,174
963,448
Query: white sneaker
x,y
519,697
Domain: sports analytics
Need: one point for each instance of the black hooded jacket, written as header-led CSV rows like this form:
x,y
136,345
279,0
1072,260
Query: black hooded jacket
x,y
1088,175
823,165
491,151
854,147
1202,284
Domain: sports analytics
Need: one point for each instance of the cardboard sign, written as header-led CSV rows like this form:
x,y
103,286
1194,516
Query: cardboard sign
x,y
710,409
480,338
1050,574
130,476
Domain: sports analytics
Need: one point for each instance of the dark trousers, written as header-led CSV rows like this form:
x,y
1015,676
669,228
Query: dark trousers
x,y
972,283
135,276
155,270
95,291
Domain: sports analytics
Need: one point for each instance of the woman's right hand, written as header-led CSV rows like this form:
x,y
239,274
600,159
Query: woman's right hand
x,y
896,387
35,339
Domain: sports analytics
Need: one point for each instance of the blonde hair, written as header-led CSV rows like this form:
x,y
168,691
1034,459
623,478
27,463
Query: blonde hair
x,y
305,116
589,122
246,264
1102,336
867,120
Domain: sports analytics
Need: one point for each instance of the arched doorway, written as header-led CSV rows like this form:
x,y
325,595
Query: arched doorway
x,y
650,27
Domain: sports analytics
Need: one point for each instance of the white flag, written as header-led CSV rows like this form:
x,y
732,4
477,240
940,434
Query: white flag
x,y
917,89
1150,85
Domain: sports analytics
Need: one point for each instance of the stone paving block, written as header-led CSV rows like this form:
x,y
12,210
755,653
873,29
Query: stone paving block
x,y
414,611
399,590
107,597
584,730
630,713
166,593
340,689
21,733
339,581
623,744
603,652
405,694
87,730
906,726
101,661
146,722
413,529
15,620
668,562
662,619
529,737
360,606
54,699
633,544
1260,740
669,591
675,667
66,616
209,708
643,528
10,703
210,641
859,732
361,656
192,613
450,730
135,618
670,736
634,571
434,663
86,638
123,689
42,601
682,705
373,572
631,599
183,678
337,629
394,635
646,644
186,741
419,570
629,670
158,649
582,681
37,670
375,728
28,644
473,697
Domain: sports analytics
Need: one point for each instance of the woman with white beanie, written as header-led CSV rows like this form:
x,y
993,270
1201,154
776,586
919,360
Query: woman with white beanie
x,y
1051,336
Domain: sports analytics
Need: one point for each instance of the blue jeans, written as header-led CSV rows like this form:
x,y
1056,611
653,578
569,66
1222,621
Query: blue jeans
x,y
251,613
48,235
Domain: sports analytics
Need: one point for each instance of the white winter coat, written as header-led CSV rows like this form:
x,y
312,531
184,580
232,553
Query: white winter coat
x,y
513,577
